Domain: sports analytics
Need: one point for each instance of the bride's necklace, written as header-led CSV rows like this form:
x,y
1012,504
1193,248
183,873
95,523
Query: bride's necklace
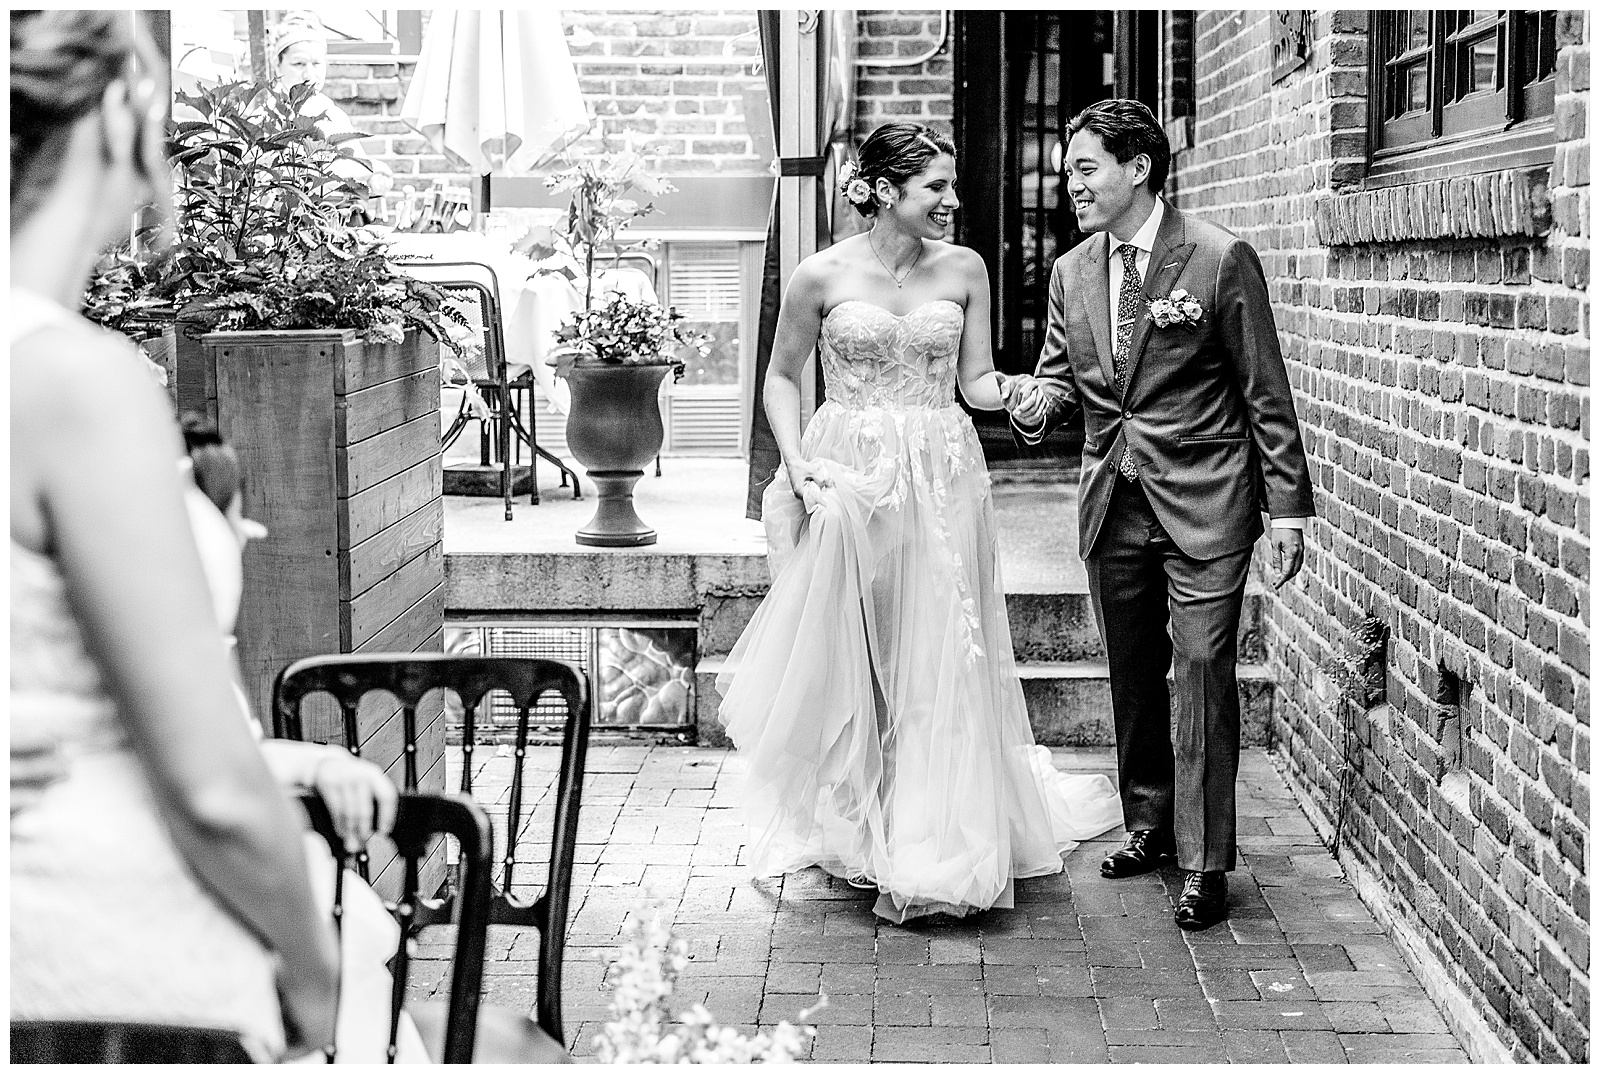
x,y
899,281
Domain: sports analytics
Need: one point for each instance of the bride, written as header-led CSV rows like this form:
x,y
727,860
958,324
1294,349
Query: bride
x,y
874,691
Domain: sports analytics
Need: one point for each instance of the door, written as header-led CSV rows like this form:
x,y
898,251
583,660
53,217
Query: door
x,y
1020,76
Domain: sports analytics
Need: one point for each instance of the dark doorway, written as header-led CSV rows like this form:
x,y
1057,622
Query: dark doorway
x,y
1020,76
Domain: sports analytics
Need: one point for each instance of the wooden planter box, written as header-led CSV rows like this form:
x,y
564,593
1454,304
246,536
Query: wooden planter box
x,y
339,443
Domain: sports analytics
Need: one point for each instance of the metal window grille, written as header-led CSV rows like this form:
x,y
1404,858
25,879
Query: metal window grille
x,y
642,673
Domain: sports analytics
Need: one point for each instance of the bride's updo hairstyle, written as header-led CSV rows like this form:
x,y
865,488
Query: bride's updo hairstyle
x,y
897,152
61,64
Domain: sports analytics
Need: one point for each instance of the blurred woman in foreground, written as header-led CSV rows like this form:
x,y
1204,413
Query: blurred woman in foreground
x,y
156,871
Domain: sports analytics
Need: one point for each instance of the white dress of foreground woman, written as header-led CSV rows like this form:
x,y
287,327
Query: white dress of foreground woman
x,y
107,920
875,692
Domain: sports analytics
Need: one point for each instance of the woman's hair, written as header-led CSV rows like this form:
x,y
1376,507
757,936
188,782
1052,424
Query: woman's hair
x,y
61,64
1127,128
216,467
897,152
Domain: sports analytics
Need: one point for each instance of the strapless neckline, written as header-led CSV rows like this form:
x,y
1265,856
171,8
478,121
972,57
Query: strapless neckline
x,y
891,313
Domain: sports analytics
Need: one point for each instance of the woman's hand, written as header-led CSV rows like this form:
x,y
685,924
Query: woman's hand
x,y
807,479
359,796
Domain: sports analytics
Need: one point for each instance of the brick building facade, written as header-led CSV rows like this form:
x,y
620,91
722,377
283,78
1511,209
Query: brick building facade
x,y
1432,661
891,89
672,82
675,82
1433,658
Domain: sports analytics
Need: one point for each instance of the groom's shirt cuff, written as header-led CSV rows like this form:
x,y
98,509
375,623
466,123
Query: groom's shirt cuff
x,y
1289,523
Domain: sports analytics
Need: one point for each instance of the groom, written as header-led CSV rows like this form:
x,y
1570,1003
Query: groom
x,y
1161,331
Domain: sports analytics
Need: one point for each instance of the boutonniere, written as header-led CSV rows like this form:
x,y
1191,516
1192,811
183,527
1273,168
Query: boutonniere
x,y
1179,308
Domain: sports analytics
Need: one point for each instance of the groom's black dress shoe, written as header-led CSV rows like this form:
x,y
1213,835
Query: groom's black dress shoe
x,y
1142,852
1204,901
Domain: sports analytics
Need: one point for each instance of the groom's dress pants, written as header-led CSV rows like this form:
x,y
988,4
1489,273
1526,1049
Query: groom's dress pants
x,y
1177,755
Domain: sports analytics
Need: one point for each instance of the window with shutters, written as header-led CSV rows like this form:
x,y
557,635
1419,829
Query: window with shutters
x,y
1460,92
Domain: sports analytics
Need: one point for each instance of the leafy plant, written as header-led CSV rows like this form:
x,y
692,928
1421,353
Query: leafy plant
x,y
122,294
619,329
599,209
626,332
263,240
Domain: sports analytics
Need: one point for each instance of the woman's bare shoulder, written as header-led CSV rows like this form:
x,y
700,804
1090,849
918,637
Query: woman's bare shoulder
x,y
69,378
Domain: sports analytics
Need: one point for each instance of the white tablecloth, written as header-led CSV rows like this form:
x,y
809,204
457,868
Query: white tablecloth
x,y
531,307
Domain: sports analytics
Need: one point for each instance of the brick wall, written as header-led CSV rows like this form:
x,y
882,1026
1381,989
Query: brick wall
x,y
673,82
920,93
1433,657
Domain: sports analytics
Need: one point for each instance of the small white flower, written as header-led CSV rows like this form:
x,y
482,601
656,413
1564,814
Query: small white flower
x,y
858,192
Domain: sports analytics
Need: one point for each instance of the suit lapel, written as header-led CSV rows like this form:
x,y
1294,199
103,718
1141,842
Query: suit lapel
x,y
1095,287
1168,254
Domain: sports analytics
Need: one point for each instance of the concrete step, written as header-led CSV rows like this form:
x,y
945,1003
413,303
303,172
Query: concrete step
x,y
1069,703
1045,627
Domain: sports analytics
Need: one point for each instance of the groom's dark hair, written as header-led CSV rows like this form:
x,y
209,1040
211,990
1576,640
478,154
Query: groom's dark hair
x,y
1127,128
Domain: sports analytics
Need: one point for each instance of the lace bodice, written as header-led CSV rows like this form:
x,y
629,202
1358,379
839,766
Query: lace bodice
x,y
874,358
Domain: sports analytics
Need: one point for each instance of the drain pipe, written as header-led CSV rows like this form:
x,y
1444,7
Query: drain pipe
x,y
913,61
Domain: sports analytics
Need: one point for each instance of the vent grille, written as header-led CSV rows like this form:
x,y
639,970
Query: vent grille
x,y
705,280
705,424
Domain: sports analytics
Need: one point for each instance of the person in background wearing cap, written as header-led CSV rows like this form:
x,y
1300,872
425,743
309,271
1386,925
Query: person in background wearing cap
x,y
298,52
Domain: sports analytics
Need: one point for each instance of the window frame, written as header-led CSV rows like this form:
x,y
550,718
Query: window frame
x,y
1460,130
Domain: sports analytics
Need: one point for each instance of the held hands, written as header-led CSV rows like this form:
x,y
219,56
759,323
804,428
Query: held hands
x,y
807,479
1288,552
359,796
1024,399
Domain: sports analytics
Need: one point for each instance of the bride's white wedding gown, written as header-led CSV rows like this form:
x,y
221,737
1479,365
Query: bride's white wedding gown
x,y
875,692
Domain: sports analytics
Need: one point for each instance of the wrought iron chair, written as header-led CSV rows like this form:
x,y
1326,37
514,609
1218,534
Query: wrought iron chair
x,y
456,1030
419,819
474,290
128,1042
408,677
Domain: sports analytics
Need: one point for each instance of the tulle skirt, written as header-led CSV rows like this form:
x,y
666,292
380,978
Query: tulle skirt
x,y
875,691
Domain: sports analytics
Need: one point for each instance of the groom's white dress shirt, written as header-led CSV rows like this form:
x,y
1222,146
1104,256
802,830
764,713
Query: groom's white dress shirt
x,y
1144,240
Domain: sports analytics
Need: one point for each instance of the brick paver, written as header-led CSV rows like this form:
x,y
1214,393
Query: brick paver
x,y
1081,970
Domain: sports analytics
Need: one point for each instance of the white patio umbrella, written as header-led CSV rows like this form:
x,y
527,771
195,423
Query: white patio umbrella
x,y
495,90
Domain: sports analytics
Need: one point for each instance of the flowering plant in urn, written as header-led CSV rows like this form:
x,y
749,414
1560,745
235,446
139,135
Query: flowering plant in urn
x,y
610,327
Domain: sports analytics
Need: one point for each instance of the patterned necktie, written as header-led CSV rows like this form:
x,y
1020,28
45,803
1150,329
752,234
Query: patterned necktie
x,y
1128,300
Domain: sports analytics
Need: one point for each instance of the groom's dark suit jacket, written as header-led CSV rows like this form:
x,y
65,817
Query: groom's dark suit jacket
x,y
1208,412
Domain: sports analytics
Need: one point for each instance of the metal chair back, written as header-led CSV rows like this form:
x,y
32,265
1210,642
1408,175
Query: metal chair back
x,y
473,290
419,820
408,677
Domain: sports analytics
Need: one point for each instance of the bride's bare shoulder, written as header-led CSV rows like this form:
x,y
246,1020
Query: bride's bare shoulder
x,y
842,254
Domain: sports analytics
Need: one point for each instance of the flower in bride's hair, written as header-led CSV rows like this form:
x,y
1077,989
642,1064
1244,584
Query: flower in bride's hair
x,y
847,171
858,192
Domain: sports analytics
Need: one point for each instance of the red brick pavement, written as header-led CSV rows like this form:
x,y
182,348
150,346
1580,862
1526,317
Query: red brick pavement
x,y
1082,970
